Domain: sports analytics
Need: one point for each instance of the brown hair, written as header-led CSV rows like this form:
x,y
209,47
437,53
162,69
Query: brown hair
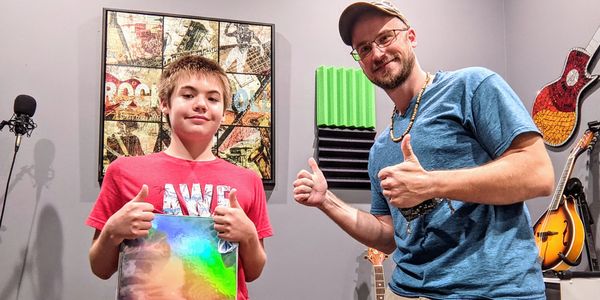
x,y
191,65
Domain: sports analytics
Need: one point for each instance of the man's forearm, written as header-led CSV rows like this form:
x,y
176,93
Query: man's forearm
x,y
362,226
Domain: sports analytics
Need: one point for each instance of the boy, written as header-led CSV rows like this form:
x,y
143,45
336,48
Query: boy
x,y
194,92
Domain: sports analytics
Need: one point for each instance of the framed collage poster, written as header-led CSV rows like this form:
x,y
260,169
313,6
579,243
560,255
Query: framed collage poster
x,y
137,46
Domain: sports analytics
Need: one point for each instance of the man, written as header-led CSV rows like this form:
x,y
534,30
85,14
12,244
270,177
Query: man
x,y
449,180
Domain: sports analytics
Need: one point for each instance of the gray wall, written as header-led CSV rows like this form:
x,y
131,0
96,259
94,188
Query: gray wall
x,y
51,50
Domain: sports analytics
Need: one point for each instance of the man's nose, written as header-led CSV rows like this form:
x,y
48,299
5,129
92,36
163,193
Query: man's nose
x,y
377,52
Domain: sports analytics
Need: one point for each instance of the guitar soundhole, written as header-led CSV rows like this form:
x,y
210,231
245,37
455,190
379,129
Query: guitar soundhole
x,y
572,77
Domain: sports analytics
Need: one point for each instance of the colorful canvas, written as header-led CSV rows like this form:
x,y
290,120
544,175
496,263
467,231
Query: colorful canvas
x,y
137,48
131,93
128,138
556,106
248,147
180,259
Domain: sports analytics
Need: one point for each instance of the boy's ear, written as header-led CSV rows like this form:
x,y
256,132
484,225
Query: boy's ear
x,y
163,108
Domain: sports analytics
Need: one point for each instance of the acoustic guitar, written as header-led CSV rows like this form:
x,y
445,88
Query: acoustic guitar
x,y
559,232
556,106
376,258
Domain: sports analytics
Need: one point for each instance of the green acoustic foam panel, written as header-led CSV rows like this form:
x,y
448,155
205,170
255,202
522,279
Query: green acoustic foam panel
x,y
345,98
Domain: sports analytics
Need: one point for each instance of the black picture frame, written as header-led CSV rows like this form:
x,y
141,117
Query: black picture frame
x,y
137,45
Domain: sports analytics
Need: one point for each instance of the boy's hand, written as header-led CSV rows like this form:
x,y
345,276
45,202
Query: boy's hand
x,y
231,223
310,189
133,220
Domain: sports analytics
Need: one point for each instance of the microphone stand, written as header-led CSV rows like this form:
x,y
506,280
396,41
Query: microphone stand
x,y
19,127
8,181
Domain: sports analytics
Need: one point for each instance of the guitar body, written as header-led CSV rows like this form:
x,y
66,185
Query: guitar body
x,y
559,232
556,107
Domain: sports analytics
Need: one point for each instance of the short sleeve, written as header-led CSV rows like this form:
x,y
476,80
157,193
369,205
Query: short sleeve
x,y
498,115
109,200
258,213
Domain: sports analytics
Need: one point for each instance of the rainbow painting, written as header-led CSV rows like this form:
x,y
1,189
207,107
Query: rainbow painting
x,y
179,259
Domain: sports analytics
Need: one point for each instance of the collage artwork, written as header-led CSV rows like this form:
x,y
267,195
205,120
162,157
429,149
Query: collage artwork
x,y
137,48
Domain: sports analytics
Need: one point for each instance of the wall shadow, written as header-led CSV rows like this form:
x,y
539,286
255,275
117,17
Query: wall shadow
x,y
45,272
364,273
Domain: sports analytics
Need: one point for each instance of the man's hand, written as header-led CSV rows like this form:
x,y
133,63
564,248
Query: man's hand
x,y
231,223
406,184
310,188
133,220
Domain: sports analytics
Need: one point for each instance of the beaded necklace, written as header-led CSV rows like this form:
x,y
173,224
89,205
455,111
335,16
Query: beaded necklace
x,y
428,205
412,117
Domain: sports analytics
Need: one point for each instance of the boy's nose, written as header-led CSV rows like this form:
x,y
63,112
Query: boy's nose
x,y
200,104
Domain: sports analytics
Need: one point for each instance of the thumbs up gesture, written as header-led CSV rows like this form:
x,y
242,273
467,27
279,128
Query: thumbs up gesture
x,y
233,203
231,223
406,184
133,220
310,188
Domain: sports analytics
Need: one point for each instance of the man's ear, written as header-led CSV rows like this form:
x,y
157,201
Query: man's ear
x,y
411,35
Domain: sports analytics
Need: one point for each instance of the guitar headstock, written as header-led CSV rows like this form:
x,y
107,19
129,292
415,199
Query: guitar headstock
x,y
586,142
375,256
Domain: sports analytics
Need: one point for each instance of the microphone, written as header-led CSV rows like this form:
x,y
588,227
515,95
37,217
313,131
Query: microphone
x,y
21,122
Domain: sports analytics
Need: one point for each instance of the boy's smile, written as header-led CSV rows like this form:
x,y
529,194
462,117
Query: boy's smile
x,y
199,118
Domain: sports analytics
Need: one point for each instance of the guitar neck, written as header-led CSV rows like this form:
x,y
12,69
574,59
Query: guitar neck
x,y
379,282
594,43
560,186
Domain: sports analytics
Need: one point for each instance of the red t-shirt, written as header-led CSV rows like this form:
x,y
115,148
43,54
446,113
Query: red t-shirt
x,y
208,182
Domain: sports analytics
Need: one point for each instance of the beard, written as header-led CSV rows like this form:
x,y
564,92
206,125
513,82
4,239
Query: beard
x,y
389,81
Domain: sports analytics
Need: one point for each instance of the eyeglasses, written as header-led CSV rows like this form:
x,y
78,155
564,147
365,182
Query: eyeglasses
x,y
383,40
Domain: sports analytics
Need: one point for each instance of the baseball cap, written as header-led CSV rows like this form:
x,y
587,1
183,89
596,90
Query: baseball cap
x,y
353,11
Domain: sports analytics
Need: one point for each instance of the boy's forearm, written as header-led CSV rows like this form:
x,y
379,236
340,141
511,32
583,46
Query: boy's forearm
x,y
253,257
103,255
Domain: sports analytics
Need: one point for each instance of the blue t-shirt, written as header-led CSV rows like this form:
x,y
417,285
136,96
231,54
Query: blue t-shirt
x,y
465,119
